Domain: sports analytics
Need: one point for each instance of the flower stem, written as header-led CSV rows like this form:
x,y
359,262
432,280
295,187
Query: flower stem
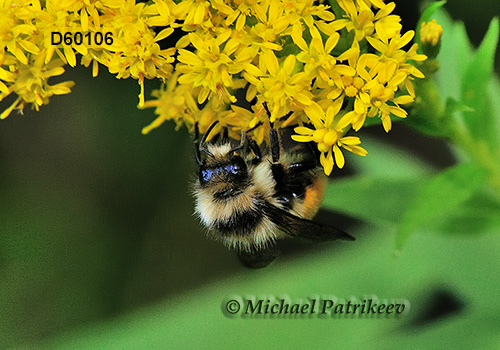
x,y
432,117
479,152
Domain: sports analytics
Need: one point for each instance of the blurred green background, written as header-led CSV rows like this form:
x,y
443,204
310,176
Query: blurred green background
x,y
99,248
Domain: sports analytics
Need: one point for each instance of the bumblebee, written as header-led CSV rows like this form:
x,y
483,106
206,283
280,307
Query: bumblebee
x,y
249,197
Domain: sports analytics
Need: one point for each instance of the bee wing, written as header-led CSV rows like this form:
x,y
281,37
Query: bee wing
x,y
299,227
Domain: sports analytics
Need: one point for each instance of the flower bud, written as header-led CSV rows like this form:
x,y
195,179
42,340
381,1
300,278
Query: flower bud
x,y
430,38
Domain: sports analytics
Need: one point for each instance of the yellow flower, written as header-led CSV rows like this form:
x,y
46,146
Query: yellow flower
x,y
365,23
351,86
226,119
210,67
15,32
292,55
385,79
26,65
283,88
136,51
392,48
380,95
375,3
31,85
302,12
239,118
318,62
328,133
430,33
270,25
261,125
243,9
194,12
173,102
430,39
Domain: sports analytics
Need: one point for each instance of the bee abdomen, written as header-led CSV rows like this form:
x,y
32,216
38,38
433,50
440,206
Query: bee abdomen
x,y
241,223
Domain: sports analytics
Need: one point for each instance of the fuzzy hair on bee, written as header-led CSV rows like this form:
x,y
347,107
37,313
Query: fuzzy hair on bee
x,y
249,197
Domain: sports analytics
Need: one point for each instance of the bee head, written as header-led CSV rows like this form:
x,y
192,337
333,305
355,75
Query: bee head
x,y
223,165
229,168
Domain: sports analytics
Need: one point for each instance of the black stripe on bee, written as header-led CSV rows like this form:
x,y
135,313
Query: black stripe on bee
x,y
241,223
227,194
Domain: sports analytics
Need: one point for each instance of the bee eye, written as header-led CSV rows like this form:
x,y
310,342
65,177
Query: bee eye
x,y
233,169
237,167
206,174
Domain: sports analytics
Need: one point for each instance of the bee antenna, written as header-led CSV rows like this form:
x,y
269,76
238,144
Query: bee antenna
x,y
255,127
242,142
286,115
196,131
206,151
266,107
199,145
210,128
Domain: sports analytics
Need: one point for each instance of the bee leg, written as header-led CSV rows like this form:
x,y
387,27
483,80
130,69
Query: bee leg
x,y
310,164
274,145
314,152
301,167
276,167
259,259
256,150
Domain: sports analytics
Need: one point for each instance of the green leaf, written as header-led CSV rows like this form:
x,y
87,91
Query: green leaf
x,y
426,115
494,93
425,125
429,117
478,215
377,200
385,160
372,121
475,87
392,180
439,197
427,16
365,267
383,193
454,106
454,39
336,9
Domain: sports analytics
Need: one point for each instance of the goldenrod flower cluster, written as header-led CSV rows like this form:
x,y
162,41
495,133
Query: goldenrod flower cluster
x,y
430,33
28,58
320,69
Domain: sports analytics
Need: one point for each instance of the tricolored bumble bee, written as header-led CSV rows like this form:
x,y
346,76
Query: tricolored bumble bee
x,y
249,197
